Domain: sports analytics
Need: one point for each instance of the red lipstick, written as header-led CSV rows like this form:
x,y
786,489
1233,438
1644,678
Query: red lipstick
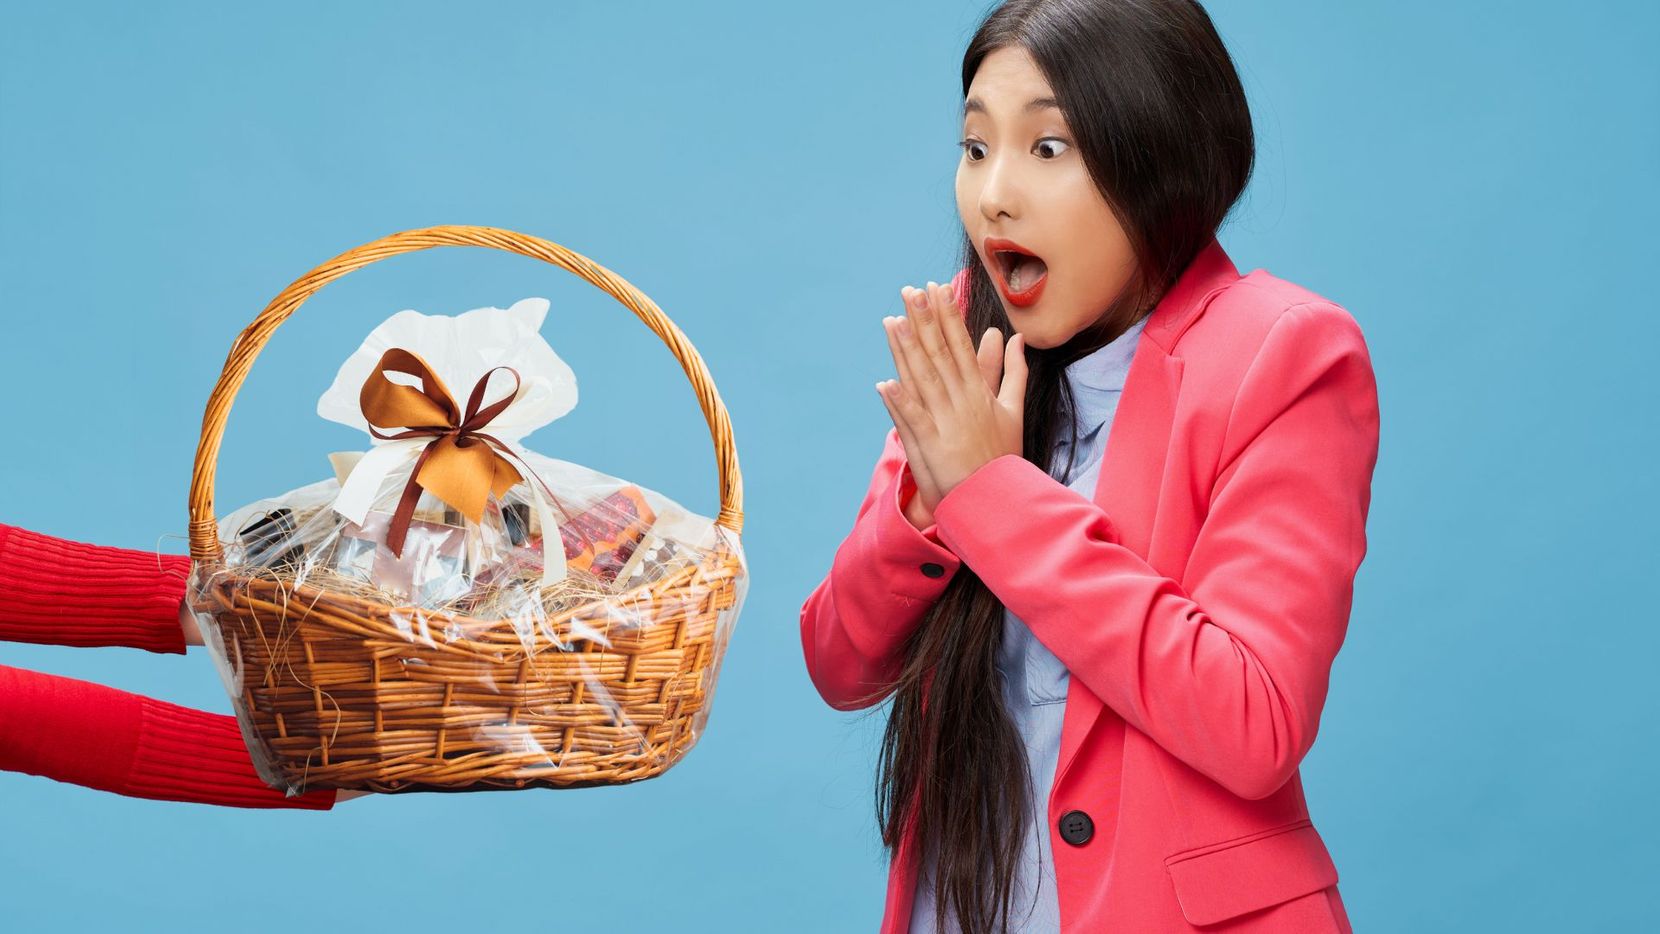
x,y
1004,254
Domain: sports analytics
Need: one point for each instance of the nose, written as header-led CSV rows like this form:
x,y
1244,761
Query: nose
x,y
998,192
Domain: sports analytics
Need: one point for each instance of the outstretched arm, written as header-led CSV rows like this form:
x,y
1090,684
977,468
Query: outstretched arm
x,y
99,737
57,591
1226,669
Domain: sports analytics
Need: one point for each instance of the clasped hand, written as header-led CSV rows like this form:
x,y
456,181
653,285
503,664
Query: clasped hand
x,y
956,408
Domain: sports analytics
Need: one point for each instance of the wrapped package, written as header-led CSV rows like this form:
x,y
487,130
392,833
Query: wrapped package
x,y
454,611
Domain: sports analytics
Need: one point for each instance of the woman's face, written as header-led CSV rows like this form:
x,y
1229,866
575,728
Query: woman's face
x,y
1022,179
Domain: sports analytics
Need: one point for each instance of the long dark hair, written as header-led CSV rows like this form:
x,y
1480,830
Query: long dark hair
x,y
1161,121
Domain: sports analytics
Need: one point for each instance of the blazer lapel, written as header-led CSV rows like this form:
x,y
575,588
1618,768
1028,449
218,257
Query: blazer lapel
x,y
1138,443
1127,490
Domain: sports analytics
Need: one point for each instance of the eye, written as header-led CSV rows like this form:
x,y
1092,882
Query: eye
x,y
1063,144
1055,145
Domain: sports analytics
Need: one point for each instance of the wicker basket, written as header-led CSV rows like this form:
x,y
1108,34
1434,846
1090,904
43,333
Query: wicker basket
x,y
335,694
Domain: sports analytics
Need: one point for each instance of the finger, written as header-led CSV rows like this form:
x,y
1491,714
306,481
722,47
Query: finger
x,y
908,297
914,454
955,332
901,360
907,438
935,376
990,358
907,355
921,418
1012,394
951,360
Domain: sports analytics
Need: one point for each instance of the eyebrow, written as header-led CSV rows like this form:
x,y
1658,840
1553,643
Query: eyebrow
x,y
973,105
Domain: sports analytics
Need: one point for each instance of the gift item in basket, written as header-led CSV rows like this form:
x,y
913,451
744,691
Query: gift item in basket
x,y
672,541
431,569
269,539
433,566
423,640
516,519
601,538
598,539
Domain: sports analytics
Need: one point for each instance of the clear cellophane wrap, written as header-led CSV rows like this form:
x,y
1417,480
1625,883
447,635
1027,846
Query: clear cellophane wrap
x,y
564,628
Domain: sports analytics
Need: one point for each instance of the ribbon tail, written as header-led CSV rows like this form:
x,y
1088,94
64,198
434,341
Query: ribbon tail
x,y
357,494
553,544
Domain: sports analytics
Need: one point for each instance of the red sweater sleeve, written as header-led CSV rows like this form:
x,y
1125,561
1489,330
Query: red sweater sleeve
x,y
100,737
57,591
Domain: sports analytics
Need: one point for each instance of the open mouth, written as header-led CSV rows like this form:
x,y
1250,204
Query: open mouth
x,y
1022,272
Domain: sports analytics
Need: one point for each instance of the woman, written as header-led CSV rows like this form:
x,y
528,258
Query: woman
x,y
58,591
1107,554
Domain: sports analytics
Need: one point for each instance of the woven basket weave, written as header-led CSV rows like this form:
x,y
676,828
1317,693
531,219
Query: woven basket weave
x,y
336,694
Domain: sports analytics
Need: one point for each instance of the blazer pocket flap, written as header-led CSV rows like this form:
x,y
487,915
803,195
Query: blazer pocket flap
x,y
1219,882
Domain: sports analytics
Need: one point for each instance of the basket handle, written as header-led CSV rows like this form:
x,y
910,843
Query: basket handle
x,y
204,529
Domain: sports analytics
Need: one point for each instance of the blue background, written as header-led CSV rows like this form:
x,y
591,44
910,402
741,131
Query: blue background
x,y
1476,187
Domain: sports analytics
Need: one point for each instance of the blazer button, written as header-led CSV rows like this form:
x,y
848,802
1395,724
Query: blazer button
x,y
1076,828
932,570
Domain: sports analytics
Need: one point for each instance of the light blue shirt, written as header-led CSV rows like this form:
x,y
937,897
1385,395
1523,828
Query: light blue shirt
x,y
1034,681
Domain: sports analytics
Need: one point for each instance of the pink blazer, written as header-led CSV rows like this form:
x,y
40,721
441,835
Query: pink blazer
x,y
1198,602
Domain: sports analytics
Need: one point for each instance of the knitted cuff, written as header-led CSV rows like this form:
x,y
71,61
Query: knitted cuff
x,y
193,755
57,591
100,737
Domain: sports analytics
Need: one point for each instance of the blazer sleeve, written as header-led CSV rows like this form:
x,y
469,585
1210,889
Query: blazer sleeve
x,y
855,621
1226,669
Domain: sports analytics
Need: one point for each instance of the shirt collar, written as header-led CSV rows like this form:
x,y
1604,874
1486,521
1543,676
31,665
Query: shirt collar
x,y
1105,367
1097,377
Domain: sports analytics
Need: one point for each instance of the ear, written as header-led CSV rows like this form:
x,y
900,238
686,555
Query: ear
x,y
959,290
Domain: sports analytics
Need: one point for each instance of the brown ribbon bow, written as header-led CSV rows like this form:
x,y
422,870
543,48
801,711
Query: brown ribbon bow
x,y
461,464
